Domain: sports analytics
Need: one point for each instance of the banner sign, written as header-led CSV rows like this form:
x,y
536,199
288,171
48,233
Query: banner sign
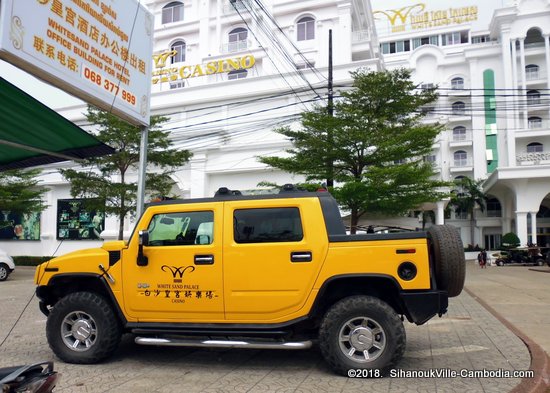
x,y
97,50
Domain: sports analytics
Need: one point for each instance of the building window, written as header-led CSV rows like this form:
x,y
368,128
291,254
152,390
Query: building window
x,y
238,40
306,28
459,133
172,12
534,147
179,47
427,86
493,208
272,225
431,159
531,72
460,158
480,39
429,40
457,83
459,108
493,242
237,74
533,97
535,122
458,37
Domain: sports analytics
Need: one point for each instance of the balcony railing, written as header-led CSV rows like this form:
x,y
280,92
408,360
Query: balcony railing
x,y
360,36
235,46
462,136
533,158
461,162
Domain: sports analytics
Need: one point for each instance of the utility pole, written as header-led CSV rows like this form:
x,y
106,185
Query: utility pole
x,y
142,171
330,109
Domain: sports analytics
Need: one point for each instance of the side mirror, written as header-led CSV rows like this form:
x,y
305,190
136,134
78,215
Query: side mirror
x,y
142,260
202,239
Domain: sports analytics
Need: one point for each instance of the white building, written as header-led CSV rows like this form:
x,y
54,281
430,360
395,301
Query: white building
x,y
492,67
227,72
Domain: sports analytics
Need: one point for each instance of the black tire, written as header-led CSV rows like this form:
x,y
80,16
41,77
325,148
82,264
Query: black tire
x,y
539,262
4,272
373,321
447,254
82,328
499,262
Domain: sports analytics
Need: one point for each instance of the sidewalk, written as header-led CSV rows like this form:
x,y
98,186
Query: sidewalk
x,y
467,338
520,297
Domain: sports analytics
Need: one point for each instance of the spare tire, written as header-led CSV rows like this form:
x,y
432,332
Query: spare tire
x,y
447,258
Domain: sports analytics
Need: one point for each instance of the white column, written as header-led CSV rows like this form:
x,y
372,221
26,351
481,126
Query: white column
x,y
533,227
440,213
523,81
514,81
521,227
547,57
198,176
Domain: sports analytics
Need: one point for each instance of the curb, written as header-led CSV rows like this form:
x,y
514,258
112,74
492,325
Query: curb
x,y
540,361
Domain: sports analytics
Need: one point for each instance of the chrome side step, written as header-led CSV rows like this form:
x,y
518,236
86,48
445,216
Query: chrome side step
x,y
212,343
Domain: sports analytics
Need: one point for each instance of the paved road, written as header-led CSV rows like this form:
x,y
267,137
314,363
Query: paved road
x,y
520,294
468,337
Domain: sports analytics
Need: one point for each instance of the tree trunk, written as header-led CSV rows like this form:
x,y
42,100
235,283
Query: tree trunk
x,y
472,228
354,219
121,227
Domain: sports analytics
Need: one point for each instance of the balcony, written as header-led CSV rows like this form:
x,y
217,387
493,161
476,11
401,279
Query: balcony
x,y
461,138
461,165
233,7
235,46
538,158
360,36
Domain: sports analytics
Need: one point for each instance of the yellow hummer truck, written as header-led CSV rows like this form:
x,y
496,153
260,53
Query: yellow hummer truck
x,y
271,271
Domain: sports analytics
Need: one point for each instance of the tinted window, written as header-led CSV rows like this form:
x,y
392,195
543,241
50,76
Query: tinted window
x,y
267,225
181,229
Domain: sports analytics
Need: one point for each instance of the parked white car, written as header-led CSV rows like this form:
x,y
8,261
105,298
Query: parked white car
x,y
6,265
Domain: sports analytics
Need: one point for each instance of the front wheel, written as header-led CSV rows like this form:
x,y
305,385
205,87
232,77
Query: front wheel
x,y
362,332
4,272
82,328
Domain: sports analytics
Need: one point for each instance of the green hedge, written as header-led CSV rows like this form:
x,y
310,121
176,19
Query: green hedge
x,y
29,261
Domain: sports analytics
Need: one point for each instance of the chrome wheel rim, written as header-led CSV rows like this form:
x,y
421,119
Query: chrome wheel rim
x,y
362,339
3,273
79,331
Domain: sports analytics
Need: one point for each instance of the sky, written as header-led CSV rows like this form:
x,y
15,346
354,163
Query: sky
x,y
45,93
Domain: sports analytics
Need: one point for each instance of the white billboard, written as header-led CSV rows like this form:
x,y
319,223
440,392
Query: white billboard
x,y
97,50
401,16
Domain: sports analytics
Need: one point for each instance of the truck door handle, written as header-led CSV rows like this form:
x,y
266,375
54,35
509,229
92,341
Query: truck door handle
x,y
204,259
301,256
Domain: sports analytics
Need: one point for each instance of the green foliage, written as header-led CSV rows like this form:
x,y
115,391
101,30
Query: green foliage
x,y
510,240
29,260
106,177
373,145
20,193
467,195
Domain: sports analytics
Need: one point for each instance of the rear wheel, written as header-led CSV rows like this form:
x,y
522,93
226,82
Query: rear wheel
x,y
448,258
362,332
82,328
540,262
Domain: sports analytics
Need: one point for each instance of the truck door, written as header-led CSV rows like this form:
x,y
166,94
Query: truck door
x,y
182,280
272,256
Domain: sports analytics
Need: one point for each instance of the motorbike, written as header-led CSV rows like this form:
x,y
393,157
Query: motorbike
x,y
33,378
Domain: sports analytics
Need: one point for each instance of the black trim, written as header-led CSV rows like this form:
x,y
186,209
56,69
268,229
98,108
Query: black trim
x,y
373,237
44,293
51,269
331,214
422,306
114,257
263,329
225,198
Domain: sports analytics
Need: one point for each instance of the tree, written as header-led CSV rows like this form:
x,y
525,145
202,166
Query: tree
x,y
510,240
467,197
373,146
108,186
20,193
